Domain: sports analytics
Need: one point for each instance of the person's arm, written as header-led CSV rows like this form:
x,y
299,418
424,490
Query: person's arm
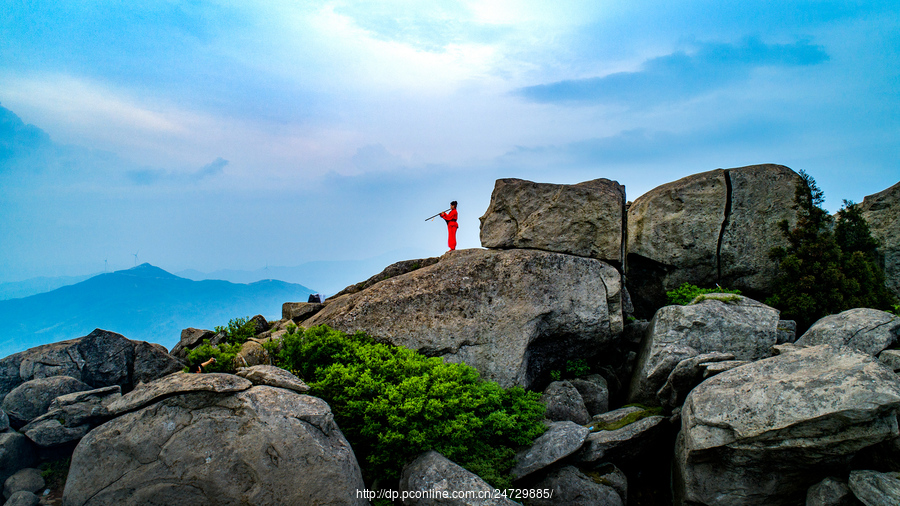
x,y
210,361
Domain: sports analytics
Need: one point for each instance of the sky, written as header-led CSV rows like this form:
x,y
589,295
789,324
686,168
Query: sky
x,y
234,135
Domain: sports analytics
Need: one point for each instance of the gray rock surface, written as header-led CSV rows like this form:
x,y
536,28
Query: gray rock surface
x,y
876,489
890,358
564,402
612,476
746,329
713,368
882,212
511,314
32,398
100,359
685,376
787,331
273,376
251,354
23,498
707,228
571,487
594,392
28,479
4,421
181,451
391,271
831,492
765,432
16,452
299,311
70,417
190,339
431,476
561,440
180,383
152,361
584,219
624,444
867,330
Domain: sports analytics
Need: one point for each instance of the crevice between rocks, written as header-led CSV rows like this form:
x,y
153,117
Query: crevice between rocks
x,y
725,220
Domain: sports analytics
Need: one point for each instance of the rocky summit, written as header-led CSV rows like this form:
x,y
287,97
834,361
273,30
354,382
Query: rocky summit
x,y
717,401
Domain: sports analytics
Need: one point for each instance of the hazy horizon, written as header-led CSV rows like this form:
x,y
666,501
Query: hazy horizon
x,y
234,135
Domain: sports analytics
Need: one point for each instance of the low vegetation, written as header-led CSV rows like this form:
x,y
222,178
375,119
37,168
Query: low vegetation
x,y
238,331
686,293
393,403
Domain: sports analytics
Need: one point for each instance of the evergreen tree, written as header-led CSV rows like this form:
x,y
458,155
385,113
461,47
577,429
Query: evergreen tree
x,y
825,268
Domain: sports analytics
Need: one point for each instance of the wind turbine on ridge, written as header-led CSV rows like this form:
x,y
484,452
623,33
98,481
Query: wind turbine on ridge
x,y
135,257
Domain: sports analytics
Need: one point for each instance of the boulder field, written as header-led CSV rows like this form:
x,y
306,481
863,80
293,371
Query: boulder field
x,y
717,402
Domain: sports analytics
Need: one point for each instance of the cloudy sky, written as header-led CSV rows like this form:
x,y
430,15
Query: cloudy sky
x,y
222,134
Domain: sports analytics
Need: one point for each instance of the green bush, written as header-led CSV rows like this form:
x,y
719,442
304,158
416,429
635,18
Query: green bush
x,y
393,403
238,330
223,353
826,268
686,293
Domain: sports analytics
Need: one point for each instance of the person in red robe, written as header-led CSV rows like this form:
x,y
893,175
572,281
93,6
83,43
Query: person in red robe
x,y
450,218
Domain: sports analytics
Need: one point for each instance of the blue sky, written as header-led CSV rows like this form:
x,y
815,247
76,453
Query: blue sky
x,y
212,135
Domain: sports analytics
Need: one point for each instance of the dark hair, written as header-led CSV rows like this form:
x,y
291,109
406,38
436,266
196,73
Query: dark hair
x,y
453,203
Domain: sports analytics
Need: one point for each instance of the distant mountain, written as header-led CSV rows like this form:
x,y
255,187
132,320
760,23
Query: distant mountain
x,y
144,303
327,277
34,286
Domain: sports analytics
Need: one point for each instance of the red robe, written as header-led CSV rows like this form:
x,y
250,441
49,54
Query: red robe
x,y
450,218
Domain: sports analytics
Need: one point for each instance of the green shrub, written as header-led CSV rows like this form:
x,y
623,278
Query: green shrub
x,y
238,330
55,473
393,403
223,353
686,293
826,269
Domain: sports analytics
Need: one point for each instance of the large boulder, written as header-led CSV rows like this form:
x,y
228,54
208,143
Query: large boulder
x,y
564,402
70,417
432,479
724,323
876,489
393,270
289,451
99,359
707,228
513,314
28,479
867,330
584,219
765,432
882,213
32,398
190,339
16,452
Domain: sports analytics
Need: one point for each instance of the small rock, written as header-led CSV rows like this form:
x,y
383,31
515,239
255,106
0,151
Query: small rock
x,y
190,339
28,479
432,472
595,393
830,492
23,498
890,358
260,324
299,311
564,403
561,440
787,331
626,443
571,487
251,354
16,452
273,376
874,488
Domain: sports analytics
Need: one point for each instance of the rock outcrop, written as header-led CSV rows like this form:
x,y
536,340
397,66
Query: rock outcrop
x,y
867,330
765,432
561,440
512,314
99,359
707,228
564,402
723,323
882,213
32,398
584,219
288,450
570,486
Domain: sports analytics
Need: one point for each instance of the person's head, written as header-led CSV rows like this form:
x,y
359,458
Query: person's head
x,y
453,205
194,368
